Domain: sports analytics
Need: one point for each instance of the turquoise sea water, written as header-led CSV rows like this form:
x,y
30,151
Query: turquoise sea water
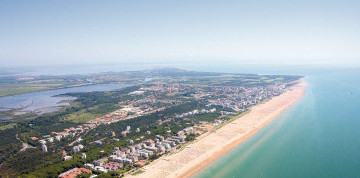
x,y
319,136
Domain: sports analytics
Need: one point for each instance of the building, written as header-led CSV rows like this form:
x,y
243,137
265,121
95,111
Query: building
x,y
51,139
100,162
133,157
113,166
76,149
83,156
65,158
88,165
44,148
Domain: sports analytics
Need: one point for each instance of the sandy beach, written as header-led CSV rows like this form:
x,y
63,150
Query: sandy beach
x,y
209,147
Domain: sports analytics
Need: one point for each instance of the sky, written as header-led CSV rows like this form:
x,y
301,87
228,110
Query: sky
x,y
172,31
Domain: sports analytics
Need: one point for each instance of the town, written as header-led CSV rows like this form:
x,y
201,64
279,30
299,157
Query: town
x,y
226,101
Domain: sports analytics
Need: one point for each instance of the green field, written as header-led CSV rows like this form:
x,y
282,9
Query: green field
x,y
21,90
91,113
9,126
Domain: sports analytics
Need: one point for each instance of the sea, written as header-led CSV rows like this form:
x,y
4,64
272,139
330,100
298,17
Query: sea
x,y
318,136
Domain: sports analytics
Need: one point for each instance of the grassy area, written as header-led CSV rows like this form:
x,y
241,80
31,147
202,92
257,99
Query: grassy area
x,y
279,79
91,113
9,126
21,90
81,116
138,172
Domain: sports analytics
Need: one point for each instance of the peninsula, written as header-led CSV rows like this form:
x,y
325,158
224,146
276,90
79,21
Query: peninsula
x,y
167,123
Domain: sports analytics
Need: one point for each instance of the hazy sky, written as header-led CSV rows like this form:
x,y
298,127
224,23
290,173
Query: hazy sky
x,y
85,31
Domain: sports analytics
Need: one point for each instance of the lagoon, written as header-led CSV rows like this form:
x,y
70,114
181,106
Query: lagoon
x,y
47,101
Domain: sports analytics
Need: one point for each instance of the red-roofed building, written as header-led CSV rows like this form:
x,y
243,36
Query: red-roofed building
x,y
140,163
113,166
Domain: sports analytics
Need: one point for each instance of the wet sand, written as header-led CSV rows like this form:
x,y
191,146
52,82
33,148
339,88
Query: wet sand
x,y
209,147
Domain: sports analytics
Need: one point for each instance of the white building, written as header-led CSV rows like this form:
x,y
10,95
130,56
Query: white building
x,y
76,149
83,156
44,148
67,158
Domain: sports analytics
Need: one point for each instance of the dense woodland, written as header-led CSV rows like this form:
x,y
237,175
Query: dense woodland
x,y
105,102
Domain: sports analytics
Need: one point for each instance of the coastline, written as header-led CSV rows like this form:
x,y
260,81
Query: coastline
x,y
209,147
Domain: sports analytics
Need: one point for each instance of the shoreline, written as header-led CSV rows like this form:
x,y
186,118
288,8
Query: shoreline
x,y
208,148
